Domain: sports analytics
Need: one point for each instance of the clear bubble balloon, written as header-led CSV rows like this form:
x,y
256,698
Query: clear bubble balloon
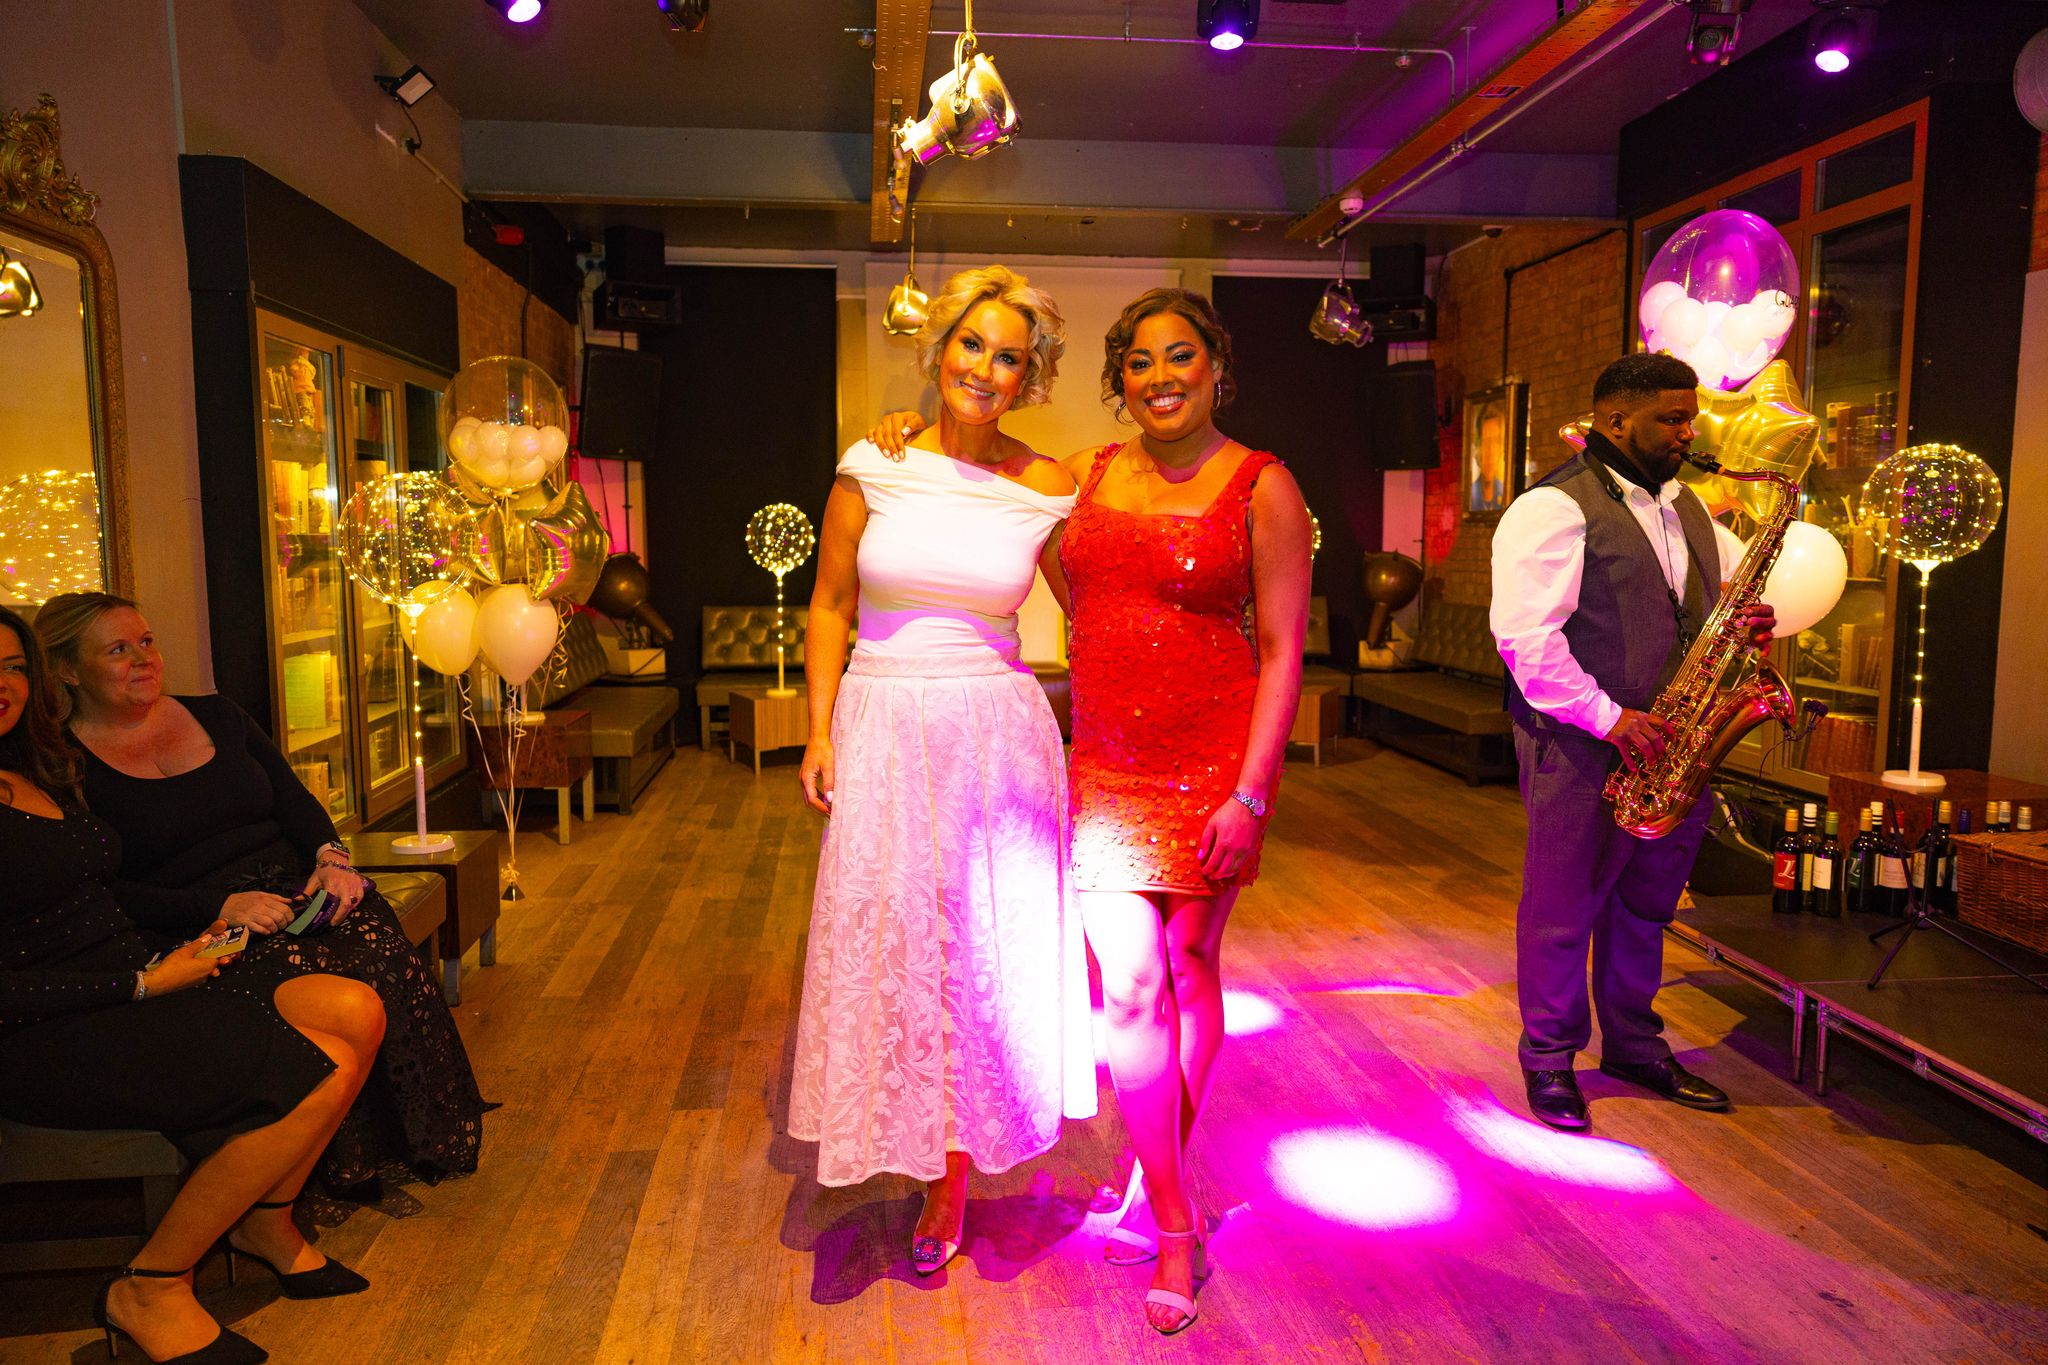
x,y
402,538
1718,295
779,537
1930,504
505,423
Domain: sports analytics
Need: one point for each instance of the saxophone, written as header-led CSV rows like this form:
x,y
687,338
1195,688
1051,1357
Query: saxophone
x,y
1703,721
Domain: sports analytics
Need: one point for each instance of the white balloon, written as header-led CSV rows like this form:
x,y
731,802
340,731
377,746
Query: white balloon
x,y
1710,360
493,470
465,424
1807,579
516,632
524,443
1742,328
1715,310
1655,300
1683,323
494,439
554,443
444,636
525,473
462,442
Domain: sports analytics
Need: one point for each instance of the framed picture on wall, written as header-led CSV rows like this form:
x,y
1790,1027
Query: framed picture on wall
x,y
1496,446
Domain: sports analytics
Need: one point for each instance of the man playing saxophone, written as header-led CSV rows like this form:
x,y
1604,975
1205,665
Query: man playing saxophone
x,y
1602,575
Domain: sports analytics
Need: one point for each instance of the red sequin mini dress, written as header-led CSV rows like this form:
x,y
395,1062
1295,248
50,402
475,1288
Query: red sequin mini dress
x,y
1163,672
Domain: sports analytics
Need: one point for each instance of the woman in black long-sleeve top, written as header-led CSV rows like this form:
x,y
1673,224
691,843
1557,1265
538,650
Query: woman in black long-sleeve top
x,y
248,1069
215,824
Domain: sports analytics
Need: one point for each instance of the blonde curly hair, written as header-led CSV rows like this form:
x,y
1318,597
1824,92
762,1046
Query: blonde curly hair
x,y
959,296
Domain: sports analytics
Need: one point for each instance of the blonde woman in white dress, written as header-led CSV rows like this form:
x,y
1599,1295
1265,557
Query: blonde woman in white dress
x,y
945,1017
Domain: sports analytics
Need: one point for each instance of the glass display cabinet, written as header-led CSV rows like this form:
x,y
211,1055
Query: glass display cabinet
x,y
1850,209
336,417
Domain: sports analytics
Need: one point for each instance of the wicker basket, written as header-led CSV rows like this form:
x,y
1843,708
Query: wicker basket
x,y
2002,886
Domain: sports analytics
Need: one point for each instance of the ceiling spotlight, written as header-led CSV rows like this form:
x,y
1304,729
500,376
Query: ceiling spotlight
x,y
409,87
1839,35
971,114
1716,24
1338,319
518,11
909,307
1226,25
685,16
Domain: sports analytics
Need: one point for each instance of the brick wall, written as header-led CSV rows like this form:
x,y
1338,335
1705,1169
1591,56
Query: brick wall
x,y
2037,258
1565,328
487,312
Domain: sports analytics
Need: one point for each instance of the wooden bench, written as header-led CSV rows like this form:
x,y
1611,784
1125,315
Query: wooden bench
x,y
1450,711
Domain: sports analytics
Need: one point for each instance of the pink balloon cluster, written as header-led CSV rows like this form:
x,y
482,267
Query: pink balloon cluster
x,y
1720,296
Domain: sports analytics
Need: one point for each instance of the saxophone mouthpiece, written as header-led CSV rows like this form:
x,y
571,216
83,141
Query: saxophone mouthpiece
x,y
1699,459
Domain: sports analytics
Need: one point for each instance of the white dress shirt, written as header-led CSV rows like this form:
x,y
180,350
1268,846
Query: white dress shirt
x,y
1539,557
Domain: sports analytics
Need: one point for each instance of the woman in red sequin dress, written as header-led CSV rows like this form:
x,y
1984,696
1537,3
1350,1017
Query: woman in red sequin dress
x,y
1185,569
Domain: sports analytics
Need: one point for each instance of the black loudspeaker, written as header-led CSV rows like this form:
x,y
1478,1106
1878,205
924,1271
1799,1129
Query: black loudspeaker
x,y
1400,416
621,404
636,293
1395,275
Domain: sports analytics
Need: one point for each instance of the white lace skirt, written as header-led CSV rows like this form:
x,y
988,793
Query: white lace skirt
x,y
945,1003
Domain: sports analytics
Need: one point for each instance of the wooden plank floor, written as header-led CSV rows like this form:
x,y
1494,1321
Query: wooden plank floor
x,y
1380,1196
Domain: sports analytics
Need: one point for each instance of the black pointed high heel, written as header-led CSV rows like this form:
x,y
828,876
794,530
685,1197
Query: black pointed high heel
x,y
329,1280
229,1348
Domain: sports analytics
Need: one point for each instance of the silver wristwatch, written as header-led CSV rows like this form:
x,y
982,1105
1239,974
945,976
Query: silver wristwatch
x,y
1255,805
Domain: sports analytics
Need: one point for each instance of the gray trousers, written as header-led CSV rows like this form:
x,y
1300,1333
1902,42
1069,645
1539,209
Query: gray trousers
x,y
1586,882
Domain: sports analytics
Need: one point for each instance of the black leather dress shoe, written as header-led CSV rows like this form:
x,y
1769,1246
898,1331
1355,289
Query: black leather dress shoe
x,y
1554,1098
1670,1080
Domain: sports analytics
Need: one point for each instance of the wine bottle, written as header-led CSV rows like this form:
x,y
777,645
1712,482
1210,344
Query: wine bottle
x,y
1889,891
1827,871
1948,892
1930,862
1809,849
2025,824
1785,894
1861,871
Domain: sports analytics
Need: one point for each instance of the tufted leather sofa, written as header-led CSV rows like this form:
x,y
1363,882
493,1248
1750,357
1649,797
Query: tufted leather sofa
x,y
632,726
1450,712
739,651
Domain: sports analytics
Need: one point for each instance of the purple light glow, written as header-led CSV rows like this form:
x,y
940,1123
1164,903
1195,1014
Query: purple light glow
x,y
1578,1160
1832,60
1245,1013
1363,1178
523,10
1226,41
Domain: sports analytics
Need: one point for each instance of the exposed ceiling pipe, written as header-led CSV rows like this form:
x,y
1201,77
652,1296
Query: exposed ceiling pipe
x,y
1463,142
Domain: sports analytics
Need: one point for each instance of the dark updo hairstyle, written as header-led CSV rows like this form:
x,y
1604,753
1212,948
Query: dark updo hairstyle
x,y
1200,314
36,747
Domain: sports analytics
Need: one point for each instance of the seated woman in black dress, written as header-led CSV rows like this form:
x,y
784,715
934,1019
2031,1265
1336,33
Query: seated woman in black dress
x,y
247,1068
211,816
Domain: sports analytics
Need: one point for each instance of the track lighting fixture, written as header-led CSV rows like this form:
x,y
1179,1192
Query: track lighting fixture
x,y
909,307
971,113
1716,24
1338,318
685,16
518,11
1226,25
1838,35
18,296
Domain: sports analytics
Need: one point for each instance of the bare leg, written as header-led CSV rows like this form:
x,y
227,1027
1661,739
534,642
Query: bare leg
x,y
945,1201
162,1315
1194,946
1127,933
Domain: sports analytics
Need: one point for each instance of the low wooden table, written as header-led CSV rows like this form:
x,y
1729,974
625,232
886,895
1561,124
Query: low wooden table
x,y
554,753
471,870
1319,719
762,722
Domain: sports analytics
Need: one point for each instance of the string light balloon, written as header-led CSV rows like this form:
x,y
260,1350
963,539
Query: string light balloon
x,y
1929,505
49,536
779,537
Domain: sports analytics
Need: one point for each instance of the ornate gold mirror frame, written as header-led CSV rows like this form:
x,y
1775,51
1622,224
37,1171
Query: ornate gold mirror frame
x,y
40,202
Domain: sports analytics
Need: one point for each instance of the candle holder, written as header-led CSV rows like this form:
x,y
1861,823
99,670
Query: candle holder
x,y
1928,505
779,537
420,842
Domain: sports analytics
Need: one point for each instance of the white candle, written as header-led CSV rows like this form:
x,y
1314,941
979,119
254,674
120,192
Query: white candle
x,y
1914,765
419,794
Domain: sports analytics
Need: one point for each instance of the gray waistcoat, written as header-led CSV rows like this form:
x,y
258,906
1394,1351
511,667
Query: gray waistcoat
x,y
1622,632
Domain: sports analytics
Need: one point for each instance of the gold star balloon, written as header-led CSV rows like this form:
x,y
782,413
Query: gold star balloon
x,y
779,537
49,536
1930,504
551,541
1758,427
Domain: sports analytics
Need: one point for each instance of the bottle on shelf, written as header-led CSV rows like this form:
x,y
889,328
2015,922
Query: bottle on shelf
x,y
1889,891
1809,849
2000,819
1947,899
1827,871
1786,898
2025,824
1860,874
